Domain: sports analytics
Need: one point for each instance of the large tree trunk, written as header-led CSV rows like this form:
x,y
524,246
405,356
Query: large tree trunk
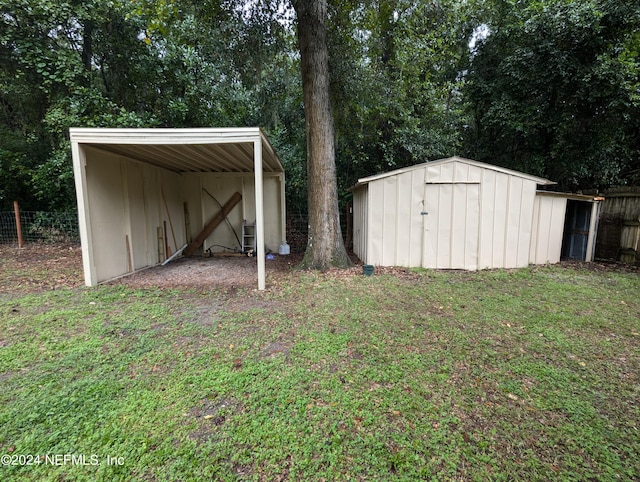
x,y
325,247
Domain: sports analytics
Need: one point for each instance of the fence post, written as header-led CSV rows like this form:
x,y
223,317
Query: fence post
x,y
16,210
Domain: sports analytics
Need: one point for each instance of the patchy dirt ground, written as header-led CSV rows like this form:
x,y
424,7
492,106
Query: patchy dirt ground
x,y
39,267
215,271
46,267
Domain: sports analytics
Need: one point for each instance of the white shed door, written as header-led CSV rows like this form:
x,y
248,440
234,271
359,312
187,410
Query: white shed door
x,y
451,220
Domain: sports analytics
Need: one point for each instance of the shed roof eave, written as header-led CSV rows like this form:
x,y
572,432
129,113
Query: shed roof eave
x,y
152,135
538,180
176,137
572,196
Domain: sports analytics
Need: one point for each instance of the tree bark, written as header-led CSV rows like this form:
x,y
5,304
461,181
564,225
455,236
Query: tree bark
x,y
325,247
87,45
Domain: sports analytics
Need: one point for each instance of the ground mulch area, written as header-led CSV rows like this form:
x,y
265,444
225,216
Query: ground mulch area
x,y
40,267
47,267
602,266
236,272
209,272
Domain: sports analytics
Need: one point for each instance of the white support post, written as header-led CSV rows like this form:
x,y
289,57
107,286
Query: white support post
x,y
257,159
80,175
593,231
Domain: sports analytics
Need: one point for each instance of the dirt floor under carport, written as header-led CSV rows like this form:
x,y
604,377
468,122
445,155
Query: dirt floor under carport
x,y
213,271
38,267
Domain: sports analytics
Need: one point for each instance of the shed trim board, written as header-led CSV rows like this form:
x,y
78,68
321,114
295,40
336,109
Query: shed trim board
x,y
139,175
457,213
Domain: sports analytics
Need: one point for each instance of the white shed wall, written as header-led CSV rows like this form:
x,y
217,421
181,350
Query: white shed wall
x,y
477,217
548,226
140,231
126,205
172,210
201,207
505,214
393,221
110,229
451,225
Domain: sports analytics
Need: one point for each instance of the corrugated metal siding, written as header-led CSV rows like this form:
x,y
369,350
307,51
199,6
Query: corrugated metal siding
x,y
222,186
452,226
172,213
548,225
375,222
108,230
506,217
138,206
518,224
478,218
409,223
390,213
126,207
416,235
394,234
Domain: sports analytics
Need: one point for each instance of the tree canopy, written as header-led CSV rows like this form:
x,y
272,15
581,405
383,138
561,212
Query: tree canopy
x,y
554,90
549,87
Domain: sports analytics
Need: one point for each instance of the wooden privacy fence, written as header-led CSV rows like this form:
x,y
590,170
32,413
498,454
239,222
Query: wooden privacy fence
x,y
619,228
21,227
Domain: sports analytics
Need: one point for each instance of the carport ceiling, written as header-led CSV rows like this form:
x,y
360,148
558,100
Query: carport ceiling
x,y
185,150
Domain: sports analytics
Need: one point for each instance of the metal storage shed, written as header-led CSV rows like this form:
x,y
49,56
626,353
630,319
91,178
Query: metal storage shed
x,y
140,190
457,213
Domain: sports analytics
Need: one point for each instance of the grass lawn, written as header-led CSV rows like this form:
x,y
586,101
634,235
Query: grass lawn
x,y
530,374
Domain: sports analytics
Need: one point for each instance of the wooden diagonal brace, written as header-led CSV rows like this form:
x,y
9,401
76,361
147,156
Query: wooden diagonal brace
x,y
213,224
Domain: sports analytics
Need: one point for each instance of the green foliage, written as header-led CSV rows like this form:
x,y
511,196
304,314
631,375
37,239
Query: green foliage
x,y
397,86
60,61
141,64
554,90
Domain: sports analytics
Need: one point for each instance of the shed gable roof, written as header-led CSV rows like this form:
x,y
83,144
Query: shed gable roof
x,y
538,180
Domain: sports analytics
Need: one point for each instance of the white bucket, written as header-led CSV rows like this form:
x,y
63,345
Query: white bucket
x,y
284,248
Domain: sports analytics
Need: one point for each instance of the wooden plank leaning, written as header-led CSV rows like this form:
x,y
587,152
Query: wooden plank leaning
x,y
213,224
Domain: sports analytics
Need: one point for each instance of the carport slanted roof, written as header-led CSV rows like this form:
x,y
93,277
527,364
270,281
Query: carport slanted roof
x,y
185,150
538,180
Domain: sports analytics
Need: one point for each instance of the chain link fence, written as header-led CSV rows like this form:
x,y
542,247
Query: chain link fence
x,y
298,230
39,227
51,228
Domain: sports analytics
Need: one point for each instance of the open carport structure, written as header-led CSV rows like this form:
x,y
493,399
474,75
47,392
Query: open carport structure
x,y
145,193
